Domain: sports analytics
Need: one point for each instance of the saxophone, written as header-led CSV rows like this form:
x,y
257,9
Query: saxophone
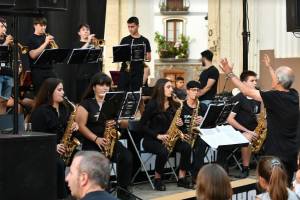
x,y
111,135
174,132
193,130
261,131
69,143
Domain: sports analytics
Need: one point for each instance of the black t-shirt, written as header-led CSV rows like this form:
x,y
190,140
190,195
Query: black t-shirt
x,y
209,73
154,122
246,111
186,115
45,119
97,195
34,42
5,68
282,121
95,122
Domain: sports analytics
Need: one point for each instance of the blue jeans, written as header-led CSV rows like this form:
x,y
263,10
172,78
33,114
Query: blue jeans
x,y
6,85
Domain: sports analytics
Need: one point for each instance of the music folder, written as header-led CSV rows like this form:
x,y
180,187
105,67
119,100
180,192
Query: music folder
x,y
121,53
131,104
52,56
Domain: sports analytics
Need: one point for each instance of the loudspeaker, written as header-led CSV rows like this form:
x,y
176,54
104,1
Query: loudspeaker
x,y
28,166
7,3
42,5
293,15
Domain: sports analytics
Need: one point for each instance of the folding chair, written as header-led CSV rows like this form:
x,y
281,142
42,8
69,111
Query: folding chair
x,y
133,125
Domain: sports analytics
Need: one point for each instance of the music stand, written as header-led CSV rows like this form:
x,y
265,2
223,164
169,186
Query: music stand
x,y
77,56
138,52
52,56
94,55
113,102
131,104
212,114
121,53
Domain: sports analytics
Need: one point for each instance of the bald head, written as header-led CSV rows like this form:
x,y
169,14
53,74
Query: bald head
x,y
285,76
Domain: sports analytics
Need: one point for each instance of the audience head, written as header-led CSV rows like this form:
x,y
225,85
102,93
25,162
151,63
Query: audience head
x,y
89,169
192,88
249,78
272,177
50,92
179,82
285,76
100,83
213,183
207,57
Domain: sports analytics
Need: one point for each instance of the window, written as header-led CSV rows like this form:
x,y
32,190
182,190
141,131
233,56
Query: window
x,y
174,28
174,5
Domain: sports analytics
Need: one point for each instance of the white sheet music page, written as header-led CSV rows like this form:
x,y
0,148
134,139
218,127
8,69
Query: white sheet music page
x,y
222,135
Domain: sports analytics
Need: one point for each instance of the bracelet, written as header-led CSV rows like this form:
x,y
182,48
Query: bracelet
x,y
230,75
96,139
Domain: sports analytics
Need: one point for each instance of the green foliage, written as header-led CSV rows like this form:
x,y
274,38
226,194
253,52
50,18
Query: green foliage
x,y
167,49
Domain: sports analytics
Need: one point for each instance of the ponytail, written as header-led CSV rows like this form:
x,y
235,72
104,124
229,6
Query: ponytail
x,y
278,182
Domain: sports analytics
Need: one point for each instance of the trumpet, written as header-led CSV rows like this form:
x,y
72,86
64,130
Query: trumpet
x,y
52,44
23,49
97,42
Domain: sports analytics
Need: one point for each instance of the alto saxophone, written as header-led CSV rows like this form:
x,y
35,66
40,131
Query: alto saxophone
x,y
111,135
70,143
193,129
174,132
261,131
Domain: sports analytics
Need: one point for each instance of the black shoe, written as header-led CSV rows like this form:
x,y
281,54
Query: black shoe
x,y
159,185
244,173
185,182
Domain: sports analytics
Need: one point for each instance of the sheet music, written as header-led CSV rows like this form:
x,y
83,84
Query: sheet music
x,y
222,135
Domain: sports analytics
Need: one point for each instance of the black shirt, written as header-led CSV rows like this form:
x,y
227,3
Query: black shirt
x,y
282,119
34,42
95,122
186,115
209,73
45,119
98,195
5,68
246,111
156,122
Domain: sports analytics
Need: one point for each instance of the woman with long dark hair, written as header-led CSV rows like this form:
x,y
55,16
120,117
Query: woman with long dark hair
x,y
156,120
273,180
92,124
50,115
213,183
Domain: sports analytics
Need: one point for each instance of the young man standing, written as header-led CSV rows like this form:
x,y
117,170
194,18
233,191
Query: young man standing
x,y
208,78
6,72
132,78
38,42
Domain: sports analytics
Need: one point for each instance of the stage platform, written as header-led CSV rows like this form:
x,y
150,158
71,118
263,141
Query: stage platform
x,y
242,188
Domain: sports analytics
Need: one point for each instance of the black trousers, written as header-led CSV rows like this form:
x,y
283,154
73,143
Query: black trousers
x,y
132,79
61,184
157,147
39,75
122,157
198,156
290,165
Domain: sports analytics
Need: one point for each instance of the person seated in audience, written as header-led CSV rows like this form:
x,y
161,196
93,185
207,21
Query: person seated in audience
x,y
273,180
179,89
213,183
89,176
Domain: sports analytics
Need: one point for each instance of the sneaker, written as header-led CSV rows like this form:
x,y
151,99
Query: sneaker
x,y
185,183
159,185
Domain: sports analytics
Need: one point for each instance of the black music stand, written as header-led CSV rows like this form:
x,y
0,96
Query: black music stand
x,y
83,56
122,53
130,106
52,56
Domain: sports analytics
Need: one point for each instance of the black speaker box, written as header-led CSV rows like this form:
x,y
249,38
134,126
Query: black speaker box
x,y
28,166
41,5
7,3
